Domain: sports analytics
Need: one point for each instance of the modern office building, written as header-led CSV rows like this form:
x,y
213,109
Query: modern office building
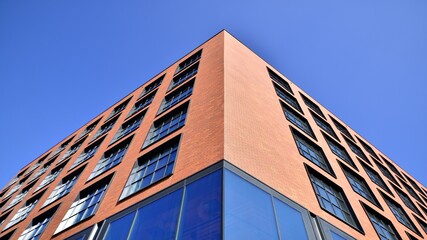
x,y
220,145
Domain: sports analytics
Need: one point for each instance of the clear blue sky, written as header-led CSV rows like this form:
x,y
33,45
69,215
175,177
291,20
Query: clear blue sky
x,y
64,62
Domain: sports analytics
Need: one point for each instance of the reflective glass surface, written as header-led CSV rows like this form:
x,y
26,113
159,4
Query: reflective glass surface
x,y
290,222
119,229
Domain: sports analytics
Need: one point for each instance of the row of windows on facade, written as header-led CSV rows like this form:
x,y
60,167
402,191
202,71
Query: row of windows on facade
x,y
329,198
145,173
129,126
297,119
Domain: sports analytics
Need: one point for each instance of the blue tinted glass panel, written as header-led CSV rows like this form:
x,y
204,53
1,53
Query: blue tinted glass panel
x,y
248,210
290,222
201,214
119,229
335,236
158,220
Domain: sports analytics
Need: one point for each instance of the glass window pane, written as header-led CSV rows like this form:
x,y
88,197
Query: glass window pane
x,y
119,229
248,210
335,236
159,219
290,222
201,214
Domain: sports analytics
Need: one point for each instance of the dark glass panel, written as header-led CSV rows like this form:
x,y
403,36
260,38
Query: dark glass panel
x,y
119,229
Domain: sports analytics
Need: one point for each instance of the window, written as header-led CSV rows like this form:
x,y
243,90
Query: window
x,y
73,149
8,236
152,167
128,127
330,232
52,176
184,76
37,226
284,84
399,213
342,129
422,224
297,120
141,104
368,148
375,178
23,211
383,226
392,167
359,185
14,189
356,149
150,87
324,125
42,170
63,187
4,217
89,128
288,98
167,124
414,184
312,106
177,96
411,192
87,153
85,205
192,59
111,158
332,199
17,199
62,147
119,108
105,128
407,201
339,151
311,151
386,172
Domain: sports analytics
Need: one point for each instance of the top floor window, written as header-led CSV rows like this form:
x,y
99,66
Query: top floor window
x,y
324,125
342,129
105,128
89,128
73,149
150,87
392,167
129,126
184,75
62,147
356,149
368,148
142,103
288,98
284,84
87,153
297,120
177,96
312,106
339,151
187,62
119,108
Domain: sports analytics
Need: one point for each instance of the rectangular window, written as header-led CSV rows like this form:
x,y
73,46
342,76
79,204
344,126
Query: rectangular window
x,y
368,148
119,108
342,129
297,120
422,224
73,149
383,226
105,128
411,191
150,87
152,167
392,167
359,185
312,105
324,125
284,84
177,96
62,147
184,76
128,127
386,173
64,187
414,184
85,205
407,201
142,103
399,213
167,124
51,177
87,153
18,198
3,218
23,211
37,226
111,158
356,149
89,128
288,98
375,177
42,170
311,151
332,199
189,61
339,151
